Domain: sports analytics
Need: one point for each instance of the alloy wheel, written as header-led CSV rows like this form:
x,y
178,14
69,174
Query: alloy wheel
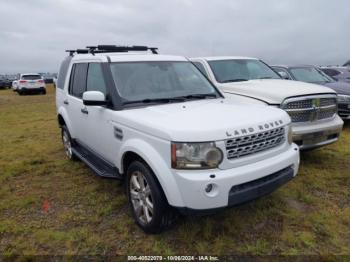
x,y
141,197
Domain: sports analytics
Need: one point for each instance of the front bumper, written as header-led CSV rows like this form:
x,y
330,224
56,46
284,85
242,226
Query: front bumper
x,y
344,110
316,134
237,185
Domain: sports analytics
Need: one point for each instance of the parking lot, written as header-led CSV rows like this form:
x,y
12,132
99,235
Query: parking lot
x,y
50,205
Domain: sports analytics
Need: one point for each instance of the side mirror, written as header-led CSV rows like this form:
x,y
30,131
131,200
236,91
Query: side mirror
x,y
284,75
94,98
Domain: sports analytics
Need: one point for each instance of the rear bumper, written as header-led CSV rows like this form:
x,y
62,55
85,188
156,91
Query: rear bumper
x,y
31,90
312,135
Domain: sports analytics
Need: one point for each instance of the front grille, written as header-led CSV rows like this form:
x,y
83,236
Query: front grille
x,y
344,110
250,144
311,109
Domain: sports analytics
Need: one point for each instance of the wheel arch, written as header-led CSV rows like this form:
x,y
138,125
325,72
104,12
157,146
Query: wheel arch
x,y
136,150
62,119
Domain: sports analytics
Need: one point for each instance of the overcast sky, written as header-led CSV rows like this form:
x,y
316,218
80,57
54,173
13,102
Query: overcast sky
x,y
35,33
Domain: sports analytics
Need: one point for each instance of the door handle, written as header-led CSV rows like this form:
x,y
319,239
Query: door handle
x,y
66,102
84,110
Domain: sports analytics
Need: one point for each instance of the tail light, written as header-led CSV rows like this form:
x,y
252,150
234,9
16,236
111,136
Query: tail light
x,y
41,81
23,81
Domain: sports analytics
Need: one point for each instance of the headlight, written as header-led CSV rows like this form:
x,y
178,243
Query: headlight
x,y
290,134
343,98
195,155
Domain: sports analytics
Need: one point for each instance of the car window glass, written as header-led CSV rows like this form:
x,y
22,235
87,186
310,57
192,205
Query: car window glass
x,y
95,79
31,77
241,69
159,79
78,81
331,72
63,72
200,68
308,74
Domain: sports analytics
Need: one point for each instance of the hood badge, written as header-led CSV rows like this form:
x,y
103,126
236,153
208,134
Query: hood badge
x,y
249,130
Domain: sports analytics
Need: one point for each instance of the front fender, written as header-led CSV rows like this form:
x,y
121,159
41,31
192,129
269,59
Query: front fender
x,y
158,165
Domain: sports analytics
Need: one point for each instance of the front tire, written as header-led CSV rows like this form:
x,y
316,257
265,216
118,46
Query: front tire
x,y
147,201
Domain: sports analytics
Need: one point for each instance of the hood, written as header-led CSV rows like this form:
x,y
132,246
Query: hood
x,y
273,91
340,87
201,120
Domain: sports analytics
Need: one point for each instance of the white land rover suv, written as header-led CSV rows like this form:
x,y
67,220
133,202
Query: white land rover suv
x,y
312,108
156,122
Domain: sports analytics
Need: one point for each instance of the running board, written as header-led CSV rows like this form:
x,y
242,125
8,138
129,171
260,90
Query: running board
x,y
98,165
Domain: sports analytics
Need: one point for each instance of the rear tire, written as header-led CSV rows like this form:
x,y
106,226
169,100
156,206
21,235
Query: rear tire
x,y
44,92
147,201
67,143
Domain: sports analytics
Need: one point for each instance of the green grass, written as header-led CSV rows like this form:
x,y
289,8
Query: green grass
x,y
89,215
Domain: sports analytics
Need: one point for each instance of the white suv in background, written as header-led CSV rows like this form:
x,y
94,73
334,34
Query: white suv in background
x,y
29,83
312,108
157,123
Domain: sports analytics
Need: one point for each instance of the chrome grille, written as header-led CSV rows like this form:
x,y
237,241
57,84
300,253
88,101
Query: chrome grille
x,y
328,101
310,108
299,104
250,144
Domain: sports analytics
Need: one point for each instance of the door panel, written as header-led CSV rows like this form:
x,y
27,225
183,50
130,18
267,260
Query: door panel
x,y
100,133
74,102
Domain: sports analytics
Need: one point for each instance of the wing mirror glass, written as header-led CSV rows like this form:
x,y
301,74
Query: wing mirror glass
x,y
284,75
94,98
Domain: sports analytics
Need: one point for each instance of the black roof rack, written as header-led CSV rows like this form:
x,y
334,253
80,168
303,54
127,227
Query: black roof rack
x,y
111,49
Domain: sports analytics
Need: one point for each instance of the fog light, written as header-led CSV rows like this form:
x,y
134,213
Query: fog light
x,y
209,188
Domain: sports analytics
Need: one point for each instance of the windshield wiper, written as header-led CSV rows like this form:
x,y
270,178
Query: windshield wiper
x,y
197,96
234,80
265,77
155,100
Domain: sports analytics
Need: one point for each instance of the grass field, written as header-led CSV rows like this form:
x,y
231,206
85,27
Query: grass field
x,y
49,205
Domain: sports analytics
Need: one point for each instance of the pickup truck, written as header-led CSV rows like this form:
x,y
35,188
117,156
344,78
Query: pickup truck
x,y
312,74
155,122
312,108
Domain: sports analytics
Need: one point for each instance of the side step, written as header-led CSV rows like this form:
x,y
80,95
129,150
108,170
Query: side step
x,y
100,166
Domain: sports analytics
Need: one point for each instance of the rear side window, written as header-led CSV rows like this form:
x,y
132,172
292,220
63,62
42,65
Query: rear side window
x,y
78,80
201,68
61,79
95,79
31,77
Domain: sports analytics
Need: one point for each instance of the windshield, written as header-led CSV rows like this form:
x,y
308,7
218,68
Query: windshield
x,y
309,74
31,77
241,70
138,81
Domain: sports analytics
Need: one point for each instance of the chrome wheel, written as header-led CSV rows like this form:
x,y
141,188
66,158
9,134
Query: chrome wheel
x,y
141,197
67,144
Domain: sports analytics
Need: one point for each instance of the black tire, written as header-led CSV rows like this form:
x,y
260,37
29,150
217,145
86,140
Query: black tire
x,y
66,135
43,92
21,93
163,215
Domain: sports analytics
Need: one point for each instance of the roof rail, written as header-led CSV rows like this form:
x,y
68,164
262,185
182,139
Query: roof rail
x,y
111,49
